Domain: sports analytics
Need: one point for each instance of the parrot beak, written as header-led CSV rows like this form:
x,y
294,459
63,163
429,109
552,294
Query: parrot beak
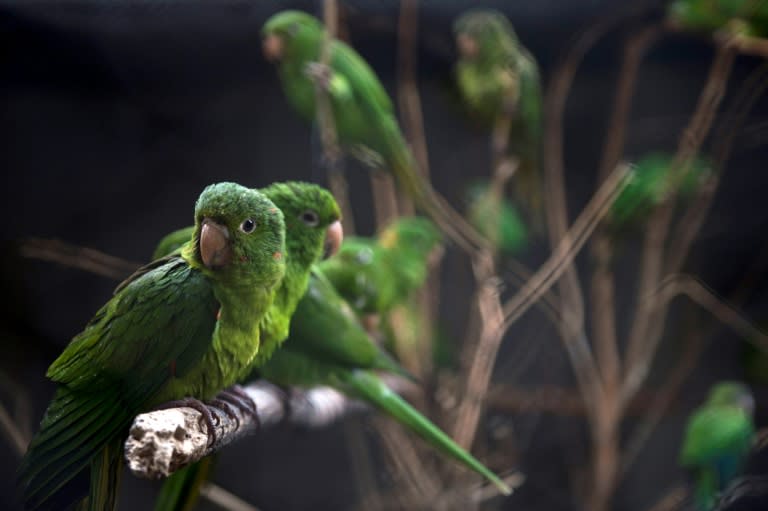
x,y
333,238
747,402
467,45
272,46
215,249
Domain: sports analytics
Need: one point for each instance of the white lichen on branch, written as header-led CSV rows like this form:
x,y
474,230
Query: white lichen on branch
x,y
161,442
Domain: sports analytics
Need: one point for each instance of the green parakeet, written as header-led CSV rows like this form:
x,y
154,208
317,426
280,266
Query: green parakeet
x,y
328,346
363,115
373,275
499,79
718,439
742,17
312,226
650,187
183,326
496,218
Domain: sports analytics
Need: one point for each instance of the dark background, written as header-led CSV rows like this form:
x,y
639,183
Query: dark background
x,y
115,115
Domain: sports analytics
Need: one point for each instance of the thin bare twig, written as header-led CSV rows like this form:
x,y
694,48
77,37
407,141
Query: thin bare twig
x,y
15,437
74,256
225,499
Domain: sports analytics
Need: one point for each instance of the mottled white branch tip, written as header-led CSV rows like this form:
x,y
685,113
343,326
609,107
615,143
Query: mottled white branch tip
x,y
163,441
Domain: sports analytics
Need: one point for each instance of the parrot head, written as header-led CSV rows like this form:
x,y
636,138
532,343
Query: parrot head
x,y
414,234
482,33
237,230
732,393
287,33
312,220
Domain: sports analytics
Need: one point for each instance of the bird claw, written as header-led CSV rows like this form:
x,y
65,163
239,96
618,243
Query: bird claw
x,y
235,398
206,416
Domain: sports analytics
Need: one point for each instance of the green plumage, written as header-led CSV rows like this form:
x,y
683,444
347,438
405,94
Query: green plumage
x,y
498,77
741,17
496,218
363,115
309,210
718,439
374,275
178,327
328,346
653,179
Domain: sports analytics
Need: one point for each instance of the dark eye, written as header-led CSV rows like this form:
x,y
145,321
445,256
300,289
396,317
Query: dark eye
x,y
310,218
248,226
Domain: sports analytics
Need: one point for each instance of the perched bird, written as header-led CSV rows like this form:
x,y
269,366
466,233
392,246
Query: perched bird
x,y
737,17
363,115
183,326
328,346
652,184
718,439
499,82
313,229
496,218
375,274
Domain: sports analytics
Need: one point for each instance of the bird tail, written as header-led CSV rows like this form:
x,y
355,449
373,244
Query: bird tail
x,y
705,489
370,388
403,165
182,489
56,470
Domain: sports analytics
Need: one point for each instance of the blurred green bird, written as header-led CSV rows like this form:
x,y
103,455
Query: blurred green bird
x,y
375,274
496,218
737,17
718,438
651,185
363,115
499,79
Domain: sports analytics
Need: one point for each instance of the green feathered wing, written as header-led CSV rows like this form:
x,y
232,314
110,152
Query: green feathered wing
x,y
159,324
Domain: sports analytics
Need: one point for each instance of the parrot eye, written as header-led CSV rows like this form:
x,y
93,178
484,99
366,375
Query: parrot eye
x,y
310,218
248,225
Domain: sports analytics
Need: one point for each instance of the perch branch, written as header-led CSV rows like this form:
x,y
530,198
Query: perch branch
x,y
77,257
163,441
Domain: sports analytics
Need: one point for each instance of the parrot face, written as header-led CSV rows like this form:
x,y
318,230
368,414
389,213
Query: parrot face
x,y
312,217
732,394
236,226
287,32
482,33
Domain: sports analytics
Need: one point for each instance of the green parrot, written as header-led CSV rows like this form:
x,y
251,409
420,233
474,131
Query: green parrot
x,y
739,17
499,79
718,438
313,228
327,346
496,218
363,115
650,187
374,275
185,326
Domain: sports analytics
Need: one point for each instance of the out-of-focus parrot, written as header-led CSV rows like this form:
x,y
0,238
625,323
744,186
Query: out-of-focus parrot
x,y
499,81
183,326
738,17
651,186
375,274
328,346
718,439
363,115
312,227
496,218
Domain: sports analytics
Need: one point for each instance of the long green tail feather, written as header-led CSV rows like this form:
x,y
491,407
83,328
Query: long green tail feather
x,y
182,489
372,389
105,477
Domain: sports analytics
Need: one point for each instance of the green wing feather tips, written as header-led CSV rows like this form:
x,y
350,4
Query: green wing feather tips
x,y
157,339
496,218
718,438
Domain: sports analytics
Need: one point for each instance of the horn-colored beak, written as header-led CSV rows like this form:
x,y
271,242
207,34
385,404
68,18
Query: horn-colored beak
x,y
215,249
334,235
272,47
